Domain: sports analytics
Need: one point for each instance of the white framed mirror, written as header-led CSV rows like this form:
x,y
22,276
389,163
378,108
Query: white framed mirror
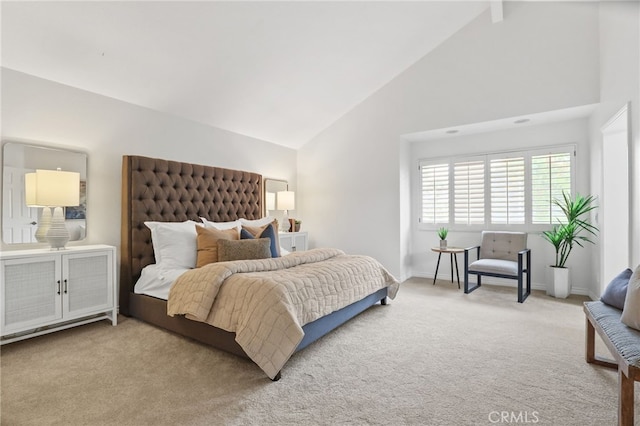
x,y
19,221
271,188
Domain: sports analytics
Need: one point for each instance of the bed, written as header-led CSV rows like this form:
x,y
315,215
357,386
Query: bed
x,y
168,191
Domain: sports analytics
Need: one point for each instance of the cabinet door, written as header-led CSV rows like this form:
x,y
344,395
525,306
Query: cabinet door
x,y
286,241
31,293
300,242
87,283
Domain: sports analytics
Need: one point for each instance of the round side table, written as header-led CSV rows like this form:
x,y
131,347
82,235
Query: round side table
x,y
453,251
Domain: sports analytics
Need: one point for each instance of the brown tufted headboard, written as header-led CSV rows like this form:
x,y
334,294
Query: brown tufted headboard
x,y
171,191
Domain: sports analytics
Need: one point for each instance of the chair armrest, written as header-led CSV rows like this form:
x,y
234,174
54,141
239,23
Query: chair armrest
x,y
466,255
521,254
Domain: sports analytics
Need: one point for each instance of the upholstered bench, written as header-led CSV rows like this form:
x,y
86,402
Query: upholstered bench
x,y
624,344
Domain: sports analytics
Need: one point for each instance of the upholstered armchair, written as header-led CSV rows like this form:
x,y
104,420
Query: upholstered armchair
x,y
500,254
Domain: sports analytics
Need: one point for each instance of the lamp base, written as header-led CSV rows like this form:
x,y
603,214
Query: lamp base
x,y
58,234
43,225
285,226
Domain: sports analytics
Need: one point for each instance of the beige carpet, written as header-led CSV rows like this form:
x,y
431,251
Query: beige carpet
x,y
433,356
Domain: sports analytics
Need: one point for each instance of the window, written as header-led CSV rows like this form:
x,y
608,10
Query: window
x,y
513,188
435,193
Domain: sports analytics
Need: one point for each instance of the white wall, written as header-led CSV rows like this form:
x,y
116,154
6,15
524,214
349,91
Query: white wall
x,y
47,113
619,39
543,56
542,253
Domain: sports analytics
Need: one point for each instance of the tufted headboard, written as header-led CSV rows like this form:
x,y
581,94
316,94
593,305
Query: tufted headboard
x,y
171,191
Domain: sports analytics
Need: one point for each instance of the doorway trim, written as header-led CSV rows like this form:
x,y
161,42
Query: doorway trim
x,y
615,235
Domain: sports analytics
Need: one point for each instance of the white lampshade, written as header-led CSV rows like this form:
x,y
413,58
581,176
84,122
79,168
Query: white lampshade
x,y
57,188
30,190
271,200
286,200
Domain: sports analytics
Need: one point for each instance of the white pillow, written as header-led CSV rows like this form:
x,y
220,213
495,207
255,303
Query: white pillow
x,y
222,226
258,222
631,312
174,243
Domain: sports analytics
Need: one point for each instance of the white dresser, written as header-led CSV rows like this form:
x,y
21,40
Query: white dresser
x,y
43,290
294,241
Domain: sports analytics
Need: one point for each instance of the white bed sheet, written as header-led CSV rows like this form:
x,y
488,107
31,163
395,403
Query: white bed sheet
x,y
156,281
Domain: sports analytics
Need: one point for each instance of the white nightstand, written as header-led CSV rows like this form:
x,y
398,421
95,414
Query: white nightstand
x,y
294,241
42,291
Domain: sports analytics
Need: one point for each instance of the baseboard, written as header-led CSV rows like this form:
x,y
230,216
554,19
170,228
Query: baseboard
x,y
581,291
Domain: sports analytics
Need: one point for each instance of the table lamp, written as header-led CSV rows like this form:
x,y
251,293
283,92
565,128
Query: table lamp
x,y
286,201
57,189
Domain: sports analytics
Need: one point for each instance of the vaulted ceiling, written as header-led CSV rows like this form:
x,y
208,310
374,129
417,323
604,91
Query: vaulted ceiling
x,y
277,71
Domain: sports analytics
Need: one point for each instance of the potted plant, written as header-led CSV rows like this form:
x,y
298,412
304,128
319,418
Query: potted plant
x,y
297,224
442,233
566,234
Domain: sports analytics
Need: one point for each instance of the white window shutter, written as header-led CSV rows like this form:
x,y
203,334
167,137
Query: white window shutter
x,y
435,193
550,177
507,176
469,192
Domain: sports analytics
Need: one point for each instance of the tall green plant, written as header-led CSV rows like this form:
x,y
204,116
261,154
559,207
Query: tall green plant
x,y
567,233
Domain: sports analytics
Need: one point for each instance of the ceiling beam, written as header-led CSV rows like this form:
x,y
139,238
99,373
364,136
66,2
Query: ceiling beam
x,y
496,11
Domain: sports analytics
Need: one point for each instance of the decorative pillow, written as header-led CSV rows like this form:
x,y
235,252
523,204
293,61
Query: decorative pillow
x,y
244,249
616,291
174,243
207,243
631,312
267,231
222,225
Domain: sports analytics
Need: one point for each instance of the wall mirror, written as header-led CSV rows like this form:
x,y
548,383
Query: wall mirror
x,y
271,188
19,221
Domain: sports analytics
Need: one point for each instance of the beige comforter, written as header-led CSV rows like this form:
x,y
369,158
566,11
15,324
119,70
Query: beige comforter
x,y
266,302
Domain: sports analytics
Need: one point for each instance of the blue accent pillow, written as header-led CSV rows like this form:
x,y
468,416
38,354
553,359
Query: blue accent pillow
x,y
616,291
267,232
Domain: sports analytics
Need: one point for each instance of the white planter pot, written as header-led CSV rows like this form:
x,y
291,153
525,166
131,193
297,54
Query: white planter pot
x,y
443,244
560,285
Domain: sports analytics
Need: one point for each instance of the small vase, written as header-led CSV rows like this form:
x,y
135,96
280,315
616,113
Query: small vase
x,y
443,244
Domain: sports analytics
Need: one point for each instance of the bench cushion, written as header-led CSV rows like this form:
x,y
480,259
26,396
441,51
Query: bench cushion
x,y
626,340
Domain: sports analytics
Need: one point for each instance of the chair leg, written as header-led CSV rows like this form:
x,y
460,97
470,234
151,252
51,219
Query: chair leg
x,y
528,273
468,289
466,271
520,295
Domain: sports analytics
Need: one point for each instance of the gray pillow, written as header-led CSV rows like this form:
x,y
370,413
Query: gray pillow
x,y
616,291
244,249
